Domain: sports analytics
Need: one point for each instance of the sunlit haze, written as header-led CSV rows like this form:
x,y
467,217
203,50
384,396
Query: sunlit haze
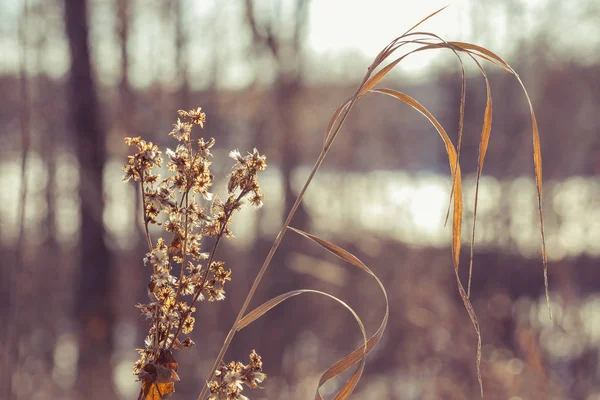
x,y
341,37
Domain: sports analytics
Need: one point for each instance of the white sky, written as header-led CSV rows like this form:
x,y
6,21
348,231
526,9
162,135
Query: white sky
x,y
367,26
342,38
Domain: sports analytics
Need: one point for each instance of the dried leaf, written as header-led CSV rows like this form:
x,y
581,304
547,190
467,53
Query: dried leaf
x,y
158,378
186,344
336,122
483,53
483,145
454,167
537,152
425,19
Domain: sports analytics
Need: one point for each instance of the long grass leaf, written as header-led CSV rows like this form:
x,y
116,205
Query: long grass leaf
x,y
268,305
537,161
483,145
537,152
454,167
490,55
368,85
358,354
378,76
424,19
461,119
334,118
452,158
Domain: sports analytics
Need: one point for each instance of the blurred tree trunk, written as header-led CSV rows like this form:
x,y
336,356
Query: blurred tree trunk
x,y
12,343
126,118
93,309
280,38
274,36
127,114
285,95
181,47
44,122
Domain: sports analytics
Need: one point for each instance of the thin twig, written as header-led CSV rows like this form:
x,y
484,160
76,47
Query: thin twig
x,y
205,276
148,238
182,272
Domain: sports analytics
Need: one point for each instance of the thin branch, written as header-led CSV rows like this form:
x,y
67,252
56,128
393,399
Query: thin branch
x,y
205,276
148,238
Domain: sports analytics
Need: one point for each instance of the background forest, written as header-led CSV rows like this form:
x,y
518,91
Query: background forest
x,y
77,76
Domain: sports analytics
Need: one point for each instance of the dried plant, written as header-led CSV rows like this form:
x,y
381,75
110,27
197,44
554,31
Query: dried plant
x,y
189,223
182,198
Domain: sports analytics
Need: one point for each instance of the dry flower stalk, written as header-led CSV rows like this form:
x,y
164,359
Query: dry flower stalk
x,y
191,214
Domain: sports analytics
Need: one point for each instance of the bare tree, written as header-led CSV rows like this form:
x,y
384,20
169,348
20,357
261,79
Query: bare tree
x,y
93,294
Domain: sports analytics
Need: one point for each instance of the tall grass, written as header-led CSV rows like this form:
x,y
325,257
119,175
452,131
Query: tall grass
x,y
188,223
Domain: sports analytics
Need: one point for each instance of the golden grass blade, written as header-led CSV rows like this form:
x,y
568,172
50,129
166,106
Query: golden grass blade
x,y
378,76
263,308
457,187
360,353
537,152
367,85
454,167
483,145
375,79
349,386
537,161
489,55
395,45
334,119
461,119
424,19
338,251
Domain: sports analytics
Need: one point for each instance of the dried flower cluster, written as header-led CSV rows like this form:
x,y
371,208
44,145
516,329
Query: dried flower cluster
x,y
191,213
231,378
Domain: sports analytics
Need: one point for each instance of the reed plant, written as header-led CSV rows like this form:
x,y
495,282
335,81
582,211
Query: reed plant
x,y
192,213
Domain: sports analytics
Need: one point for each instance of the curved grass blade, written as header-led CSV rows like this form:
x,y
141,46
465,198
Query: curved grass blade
x,y
537,152
349,386
424,19
537,161
340,116
456,221
483,53
486,131
454,167
334,119
379,76
461,119
395,45
361,352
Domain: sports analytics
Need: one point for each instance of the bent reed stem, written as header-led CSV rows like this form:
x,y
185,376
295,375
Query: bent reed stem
x,y
280,235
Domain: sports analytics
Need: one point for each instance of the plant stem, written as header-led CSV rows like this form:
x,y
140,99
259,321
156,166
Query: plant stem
x,y
148,238
205,277
279,237
185,238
